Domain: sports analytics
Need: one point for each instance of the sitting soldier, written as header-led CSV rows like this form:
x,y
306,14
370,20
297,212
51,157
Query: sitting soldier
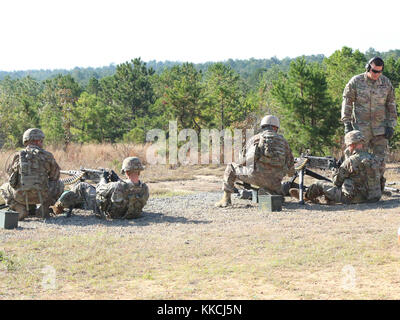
x,y
123,199
357,180
268,158
33,178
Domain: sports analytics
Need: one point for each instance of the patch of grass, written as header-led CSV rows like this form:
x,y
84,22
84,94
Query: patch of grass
x,y
165,193
7,262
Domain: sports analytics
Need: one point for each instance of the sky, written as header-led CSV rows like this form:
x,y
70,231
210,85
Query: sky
x,y
63,34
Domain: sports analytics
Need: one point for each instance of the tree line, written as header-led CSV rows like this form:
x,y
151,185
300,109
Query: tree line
x,y
305,93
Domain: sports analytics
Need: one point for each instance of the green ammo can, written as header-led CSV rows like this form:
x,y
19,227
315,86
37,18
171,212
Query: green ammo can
x,y
8,219
270,202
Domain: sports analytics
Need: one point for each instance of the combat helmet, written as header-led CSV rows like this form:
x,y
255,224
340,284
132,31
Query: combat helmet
x,y
354,136
131,163
270,120
32,134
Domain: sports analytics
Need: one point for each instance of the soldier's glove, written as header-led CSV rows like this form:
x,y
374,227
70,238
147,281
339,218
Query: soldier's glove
x,y
105,177
389,132
348,127
57,208
113,176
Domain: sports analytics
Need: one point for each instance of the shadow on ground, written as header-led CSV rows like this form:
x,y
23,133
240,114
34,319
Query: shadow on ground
x,y
393,202
147,218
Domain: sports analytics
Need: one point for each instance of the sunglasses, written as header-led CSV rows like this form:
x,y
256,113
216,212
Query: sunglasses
x,y
376,71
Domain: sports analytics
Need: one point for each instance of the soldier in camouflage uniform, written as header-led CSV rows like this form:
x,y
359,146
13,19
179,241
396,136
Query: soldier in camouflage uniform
x,y
33,178
268,158
357,180
369,106
123,199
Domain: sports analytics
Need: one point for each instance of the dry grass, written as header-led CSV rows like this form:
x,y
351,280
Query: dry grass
x,y
299,253
283,256
111,156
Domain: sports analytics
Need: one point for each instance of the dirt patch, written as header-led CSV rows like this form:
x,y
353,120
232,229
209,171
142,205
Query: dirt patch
x,y
200,183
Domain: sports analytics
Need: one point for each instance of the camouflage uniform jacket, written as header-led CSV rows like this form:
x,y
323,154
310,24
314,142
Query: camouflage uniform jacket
x,y
122,199
369,104
359,177
272,152
42,170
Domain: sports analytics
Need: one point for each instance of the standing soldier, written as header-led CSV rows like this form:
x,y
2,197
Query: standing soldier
x,y
33,178
357,180
369,106
267,160
123,199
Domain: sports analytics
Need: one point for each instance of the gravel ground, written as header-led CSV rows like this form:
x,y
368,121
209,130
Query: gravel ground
x,y
190,213
159,213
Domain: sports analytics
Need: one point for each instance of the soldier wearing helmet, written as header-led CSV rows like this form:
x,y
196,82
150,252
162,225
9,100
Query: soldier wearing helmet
x,y
369,105
357,180
123,199
33,178
267,158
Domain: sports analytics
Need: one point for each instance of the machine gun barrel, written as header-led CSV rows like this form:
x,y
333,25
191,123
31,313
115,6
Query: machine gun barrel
x,y
88,174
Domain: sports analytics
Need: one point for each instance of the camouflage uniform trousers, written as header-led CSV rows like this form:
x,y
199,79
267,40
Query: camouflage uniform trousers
x,y
269,180
334,194
82,195
49,197
376,144
122,199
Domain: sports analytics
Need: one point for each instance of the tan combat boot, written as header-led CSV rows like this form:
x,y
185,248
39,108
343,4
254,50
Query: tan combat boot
x,y
57,208
225,201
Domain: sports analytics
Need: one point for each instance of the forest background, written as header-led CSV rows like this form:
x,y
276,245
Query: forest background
x,y
120,103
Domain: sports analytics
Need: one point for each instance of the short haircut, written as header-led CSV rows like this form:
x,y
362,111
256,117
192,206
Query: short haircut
x,y
377,61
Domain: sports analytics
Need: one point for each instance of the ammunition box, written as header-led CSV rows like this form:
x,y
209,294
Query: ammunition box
x,y
270,203
8,219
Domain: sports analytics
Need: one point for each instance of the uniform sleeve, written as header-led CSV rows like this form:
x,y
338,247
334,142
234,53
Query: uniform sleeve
x,y
289,161
250,151
391,110
13,166
106,189
54,169
342,173
145,194
349,97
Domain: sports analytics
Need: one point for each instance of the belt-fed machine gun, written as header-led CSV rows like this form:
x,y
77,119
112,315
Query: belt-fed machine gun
x,y
304,162
88,174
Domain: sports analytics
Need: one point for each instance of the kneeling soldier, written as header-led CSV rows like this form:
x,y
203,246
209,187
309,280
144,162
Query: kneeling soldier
x,y
270,159
33,178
